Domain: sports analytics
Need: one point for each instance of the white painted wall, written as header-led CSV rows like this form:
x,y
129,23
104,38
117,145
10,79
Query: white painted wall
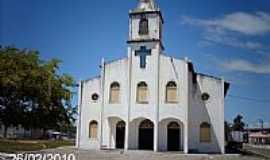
x,y
116,71
90,111
154,21
211,111
173,70
148,75
189,111
198,111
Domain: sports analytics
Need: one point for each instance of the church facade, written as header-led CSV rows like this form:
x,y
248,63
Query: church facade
x,y
150,101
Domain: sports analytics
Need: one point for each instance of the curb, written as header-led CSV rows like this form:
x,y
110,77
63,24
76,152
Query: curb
x,y
258,154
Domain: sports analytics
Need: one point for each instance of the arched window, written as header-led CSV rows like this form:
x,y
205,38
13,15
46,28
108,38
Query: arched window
x,y
143,26
171,92
205,132
173,125
115,93
93,128
142,93
146,124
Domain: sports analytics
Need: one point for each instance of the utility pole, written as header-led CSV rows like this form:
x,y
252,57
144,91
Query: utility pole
x,y
261,124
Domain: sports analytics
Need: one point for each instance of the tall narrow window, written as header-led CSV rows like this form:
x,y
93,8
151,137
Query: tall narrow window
x,y
143,26
93,125
142,93
171,92
205,133
115,93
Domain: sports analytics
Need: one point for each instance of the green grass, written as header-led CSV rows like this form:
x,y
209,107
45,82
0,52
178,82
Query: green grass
x,y
13,146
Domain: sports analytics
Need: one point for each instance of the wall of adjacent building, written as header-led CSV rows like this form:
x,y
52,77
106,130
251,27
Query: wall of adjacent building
x,y
20,133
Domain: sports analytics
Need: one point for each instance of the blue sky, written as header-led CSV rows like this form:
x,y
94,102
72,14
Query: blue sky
x,y
228,38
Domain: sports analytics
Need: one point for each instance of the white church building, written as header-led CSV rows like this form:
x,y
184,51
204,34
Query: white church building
x,y
150,101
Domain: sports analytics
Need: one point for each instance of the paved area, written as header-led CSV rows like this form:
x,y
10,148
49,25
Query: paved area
x,y
145,155
259,150
141,155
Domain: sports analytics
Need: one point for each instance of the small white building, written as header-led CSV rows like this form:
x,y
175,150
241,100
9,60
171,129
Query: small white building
x,y
259,138
151,101
14,132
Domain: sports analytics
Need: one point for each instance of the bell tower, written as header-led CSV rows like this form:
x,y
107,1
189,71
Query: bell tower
x,y
145,23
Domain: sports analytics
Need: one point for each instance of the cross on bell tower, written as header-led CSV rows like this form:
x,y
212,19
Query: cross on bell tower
x,y
143,53
145,31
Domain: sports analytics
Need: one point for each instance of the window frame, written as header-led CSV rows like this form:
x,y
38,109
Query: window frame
x,y
117,84
203,139
93,125
176,92
145,87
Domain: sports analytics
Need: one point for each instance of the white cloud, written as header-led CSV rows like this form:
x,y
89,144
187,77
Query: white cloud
x,y
237,30
240,22
234,30
233,41
246,66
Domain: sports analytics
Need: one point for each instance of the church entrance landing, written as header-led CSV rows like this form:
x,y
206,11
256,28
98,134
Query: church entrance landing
x,y
146,135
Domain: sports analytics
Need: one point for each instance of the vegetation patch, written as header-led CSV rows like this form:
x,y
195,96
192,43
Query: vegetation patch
x,y
13,146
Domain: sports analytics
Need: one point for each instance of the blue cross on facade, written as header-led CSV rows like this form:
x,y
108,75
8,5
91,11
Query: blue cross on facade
x,y
143,53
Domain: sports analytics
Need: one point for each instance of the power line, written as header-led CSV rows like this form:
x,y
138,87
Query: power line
x,y
250,99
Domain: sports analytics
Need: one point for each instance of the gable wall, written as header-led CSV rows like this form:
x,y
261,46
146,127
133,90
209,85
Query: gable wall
x,y
211,111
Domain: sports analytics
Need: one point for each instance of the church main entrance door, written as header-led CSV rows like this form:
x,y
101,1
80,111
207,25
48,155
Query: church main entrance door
x,y
146,135
120,135
173,137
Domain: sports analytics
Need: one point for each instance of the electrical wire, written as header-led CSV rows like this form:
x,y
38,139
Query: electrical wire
x,y
250,99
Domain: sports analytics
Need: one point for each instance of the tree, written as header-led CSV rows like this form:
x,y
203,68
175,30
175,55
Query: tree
x,y
227,130
32,92
238,124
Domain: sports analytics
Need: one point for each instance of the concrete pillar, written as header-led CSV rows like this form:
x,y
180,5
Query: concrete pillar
x,y
78,133
185,138
102,103
126,136
156,137
110,134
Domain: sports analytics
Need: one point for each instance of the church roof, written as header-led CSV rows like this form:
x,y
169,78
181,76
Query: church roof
x,y
195,74
116,60
92,78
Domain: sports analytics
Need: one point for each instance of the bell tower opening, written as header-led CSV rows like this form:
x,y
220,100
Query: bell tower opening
x,y
145,22
143,26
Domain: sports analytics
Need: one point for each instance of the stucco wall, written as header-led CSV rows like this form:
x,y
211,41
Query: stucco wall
x,y
148,75
189,111
89,111
116,71
173,70
211,111
195,110
154,22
